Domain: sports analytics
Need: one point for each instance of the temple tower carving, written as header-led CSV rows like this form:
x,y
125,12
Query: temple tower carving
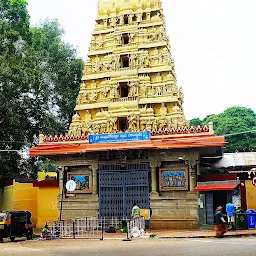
x,y
129,81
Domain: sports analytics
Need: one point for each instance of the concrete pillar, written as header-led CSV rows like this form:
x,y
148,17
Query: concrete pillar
x,y
61,178
198,168
94,179
61,188
192,177
154,182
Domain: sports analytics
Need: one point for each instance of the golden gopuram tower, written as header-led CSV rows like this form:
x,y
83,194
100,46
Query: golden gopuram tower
x,y
129,81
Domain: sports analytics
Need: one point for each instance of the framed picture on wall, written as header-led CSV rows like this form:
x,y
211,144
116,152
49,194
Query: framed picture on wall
x,y
173,179
83,181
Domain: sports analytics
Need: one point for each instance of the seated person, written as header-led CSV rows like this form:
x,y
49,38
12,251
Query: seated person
x,y
46,232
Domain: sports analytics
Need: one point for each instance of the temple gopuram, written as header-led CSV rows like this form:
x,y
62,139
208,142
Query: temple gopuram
x,y
129,140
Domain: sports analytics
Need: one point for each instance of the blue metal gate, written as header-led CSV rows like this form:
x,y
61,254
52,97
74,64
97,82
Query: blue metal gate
x,y
120,185
209,208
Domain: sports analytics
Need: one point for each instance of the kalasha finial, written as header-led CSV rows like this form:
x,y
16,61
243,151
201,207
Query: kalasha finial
x,y
41,138
210,124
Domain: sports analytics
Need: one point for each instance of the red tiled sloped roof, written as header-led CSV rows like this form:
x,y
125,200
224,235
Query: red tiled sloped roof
x,y
64,148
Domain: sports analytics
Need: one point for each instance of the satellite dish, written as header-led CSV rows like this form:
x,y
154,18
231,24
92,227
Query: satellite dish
x,y
70,185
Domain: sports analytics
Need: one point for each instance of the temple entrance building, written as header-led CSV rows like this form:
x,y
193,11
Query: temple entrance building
x,y
129,140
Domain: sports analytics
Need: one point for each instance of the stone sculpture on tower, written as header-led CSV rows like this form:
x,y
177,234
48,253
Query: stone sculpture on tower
x,y
129,81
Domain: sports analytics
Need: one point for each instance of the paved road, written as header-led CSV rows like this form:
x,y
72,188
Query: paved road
x,y
160,247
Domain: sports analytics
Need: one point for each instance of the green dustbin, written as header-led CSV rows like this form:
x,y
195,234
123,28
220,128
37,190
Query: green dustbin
x,y
241,221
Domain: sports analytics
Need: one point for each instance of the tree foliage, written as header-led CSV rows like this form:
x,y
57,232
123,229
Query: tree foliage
x,y
57,75
235,120
39,82
47,165
196,122
14,33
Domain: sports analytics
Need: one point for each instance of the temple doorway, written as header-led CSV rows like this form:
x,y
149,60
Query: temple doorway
x,y
215,199
120,185
220,198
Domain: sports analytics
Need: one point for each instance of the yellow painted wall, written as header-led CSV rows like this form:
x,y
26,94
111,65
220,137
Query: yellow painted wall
x,y
25,198
41,202
20,197
6,202
250,195
47,205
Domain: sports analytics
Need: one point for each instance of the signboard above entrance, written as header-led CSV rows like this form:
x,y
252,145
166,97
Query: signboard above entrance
x,y
119,137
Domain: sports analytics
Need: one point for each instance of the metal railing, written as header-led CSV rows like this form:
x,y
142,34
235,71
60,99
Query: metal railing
x,y
84,228
77,228
136,223
126,99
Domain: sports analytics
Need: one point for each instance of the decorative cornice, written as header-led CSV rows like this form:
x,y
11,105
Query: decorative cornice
x,y
160,134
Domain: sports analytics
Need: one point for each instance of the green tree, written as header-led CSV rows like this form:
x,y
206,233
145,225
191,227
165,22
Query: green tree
x,y
14,35
196,121
39,82
57,77
232,121
47,165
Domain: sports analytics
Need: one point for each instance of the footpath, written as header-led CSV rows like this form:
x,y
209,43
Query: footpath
x,y
201,233
178,234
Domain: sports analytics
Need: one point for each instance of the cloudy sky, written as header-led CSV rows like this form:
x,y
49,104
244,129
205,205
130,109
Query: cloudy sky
x,y
213,44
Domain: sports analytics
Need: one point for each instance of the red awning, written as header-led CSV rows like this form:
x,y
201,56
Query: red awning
x,y
216,187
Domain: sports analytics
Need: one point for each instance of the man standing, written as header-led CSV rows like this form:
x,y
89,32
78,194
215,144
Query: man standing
x,y
230,209
135,211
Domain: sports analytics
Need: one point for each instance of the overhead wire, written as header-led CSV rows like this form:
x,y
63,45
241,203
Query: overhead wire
x,y
11,150
13,141
238,133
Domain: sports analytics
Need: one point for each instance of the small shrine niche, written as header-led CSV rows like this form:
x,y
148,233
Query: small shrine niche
x,y
124,61
125,38
123,89
126,19
122,124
